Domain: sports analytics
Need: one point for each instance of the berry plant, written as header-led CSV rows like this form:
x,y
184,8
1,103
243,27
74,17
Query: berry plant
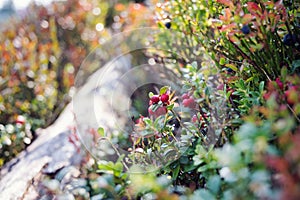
x,y
230,131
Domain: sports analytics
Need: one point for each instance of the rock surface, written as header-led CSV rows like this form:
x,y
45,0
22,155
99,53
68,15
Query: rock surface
x,y
48,153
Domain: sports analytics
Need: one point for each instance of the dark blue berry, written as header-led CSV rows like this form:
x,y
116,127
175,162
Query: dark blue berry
x,y
229,70
289,39
168,25
245,29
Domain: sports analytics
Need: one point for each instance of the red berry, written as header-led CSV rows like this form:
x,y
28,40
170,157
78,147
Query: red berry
x,y
194,119
190,103
157,135
185,96
291,96
20,119
164,98
155,99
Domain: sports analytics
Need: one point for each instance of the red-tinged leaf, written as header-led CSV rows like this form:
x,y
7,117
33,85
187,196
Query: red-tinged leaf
x,y
274,22
264,16
228,27
247,18
253,8
271,16
227,16
270,4
279,5
233,79
226,2
234,39
277,163
252,50
223,18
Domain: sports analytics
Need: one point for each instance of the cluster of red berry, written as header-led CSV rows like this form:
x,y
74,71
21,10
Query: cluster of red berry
x,y
290,91
155,100
188,101
164,98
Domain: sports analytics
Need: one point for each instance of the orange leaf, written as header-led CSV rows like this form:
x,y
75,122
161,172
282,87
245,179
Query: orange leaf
x,y
228,27
247,19
226,17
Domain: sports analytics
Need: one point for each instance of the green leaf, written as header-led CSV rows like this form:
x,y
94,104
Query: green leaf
x,y
105,166
184,160
249,79
261,86
237,121
160,25
147,120
295,65
197,160
146,133
175,172
194,65
150,94
202,168
186,87
163,90
101,132
170,107
284,71
214,183
242,84
206,91
188,168
118,168
228,94
202,194
222,61
232,66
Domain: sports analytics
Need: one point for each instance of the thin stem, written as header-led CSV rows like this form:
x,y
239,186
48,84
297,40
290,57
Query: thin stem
x,y
183,125
254,64
295,115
